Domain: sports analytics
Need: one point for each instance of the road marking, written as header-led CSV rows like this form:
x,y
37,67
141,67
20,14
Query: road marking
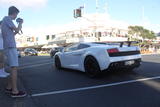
x,y
93,87
27,64
36,65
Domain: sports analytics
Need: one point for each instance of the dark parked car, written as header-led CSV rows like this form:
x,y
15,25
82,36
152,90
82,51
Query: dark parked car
x,y
30,52
19,53
54,50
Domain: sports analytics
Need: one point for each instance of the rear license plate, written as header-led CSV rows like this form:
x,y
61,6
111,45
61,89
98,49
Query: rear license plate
x,y
129,62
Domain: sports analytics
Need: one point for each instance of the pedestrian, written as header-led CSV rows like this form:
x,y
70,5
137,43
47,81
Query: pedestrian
x,y
2,72
9,30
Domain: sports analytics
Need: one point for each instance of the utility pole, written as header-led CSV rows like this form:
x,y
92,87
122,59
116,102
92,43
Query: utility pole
x,y
84,7
106,7
97,6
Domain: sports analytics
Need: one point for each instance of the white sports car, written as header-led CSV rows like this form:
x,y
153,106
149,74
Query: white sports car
x,y
95,57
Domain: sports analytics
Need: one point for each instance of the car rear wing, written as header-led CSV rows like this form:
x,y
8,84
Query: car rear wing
x,y
121,43
128,43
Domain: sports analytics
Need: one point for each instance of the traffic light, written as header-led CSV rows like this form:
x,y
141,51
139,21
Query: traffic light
x,y
77,13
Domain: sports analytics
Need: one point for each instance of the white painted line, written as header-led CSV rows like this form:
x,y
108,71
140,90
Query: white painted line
x,y
94,87
36,65
38,62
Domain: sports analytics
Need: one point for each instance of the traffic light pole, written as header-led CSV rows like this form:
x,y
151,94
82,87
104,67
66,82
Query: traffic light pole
x,y
78,13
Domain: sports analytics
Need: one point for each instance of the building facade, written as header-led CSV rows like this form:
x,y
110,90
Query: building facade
x,y
89,28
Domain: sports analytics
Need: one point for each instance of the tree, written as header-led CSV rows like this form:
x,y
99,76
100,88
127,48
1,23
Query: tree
x,y
140,31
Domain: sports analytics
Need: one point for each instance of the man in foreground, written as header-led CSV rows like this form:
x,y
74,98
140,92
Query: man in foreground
x,y
9,30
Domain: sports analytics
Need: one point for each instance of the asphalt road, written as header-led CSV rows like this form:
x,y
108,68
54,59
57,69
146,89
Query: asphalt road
x,y
49,87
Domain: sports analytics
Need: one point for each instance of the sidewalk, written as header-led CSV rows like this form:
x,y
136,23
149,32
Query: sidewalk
x,y
151,54
7,101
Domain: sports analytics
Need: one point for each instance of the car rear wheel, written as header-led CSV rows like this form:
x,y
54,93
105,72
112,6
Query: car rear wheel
x,y
57,62
91,65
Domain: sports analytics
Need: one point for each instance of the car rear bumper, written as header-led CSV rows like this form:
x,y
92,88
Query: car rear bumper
x,y
124,58
120,65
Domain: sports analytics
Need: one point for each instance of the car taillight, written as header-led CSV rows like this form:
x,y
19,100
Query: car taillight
x,y
114,50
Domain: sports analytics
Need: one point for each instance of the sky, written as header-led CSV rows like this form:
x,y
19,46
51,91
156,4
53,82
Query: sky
x,y
40,14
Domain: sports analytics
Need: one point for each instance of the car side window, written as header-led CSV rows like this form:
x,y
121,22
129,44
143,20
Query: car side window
x,y
71,48
82,46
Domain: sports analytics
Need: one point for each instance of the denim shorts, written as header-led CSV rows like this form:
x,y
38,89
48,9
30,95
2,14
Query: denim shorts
x,y
1,56
11,57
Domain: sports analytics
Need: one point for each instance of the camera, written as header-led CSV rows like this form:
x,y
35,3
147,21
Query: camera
x,y
19,20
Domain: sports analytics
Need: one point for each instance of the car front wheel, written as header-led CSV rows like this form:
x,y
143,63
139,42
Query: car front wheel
x,y
57,62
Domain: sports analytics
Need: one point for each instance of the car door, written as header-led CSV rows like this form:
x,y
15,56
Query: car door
x,y
78,55
75,56
67,58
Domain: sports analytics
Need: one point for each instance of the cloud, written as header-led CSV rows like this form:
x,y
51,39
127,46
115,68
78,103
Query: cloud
x,y
24,3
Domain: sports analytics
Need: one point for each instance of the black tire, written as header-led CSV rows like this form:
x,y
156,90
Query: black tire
x,y
91,66
57,63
